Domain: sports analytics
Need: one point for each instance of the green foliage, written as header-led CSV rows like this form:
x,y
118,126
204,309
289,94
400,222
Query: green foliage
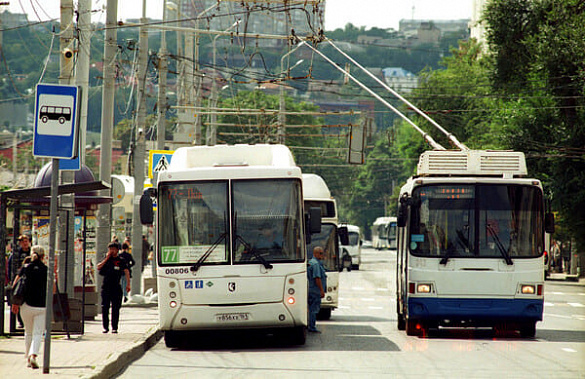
x,y
539,57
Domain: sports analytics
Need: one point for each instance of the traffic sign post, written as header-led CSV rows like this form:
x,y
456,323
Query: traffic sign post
x,y
56,127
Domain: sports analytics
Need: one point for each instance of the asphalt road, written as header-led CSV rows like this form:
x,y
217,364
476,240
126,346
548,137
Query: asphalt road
x,y
362,340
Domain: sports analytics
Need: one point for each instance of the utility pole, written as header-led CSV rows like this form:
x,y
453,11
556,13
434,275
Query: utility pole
x,y
162,86
67,208
139,149
108,92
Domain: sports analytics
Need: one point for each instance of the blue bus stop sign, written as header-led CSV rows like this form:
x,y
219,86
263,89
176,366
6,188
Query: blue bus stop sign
x,y
56,127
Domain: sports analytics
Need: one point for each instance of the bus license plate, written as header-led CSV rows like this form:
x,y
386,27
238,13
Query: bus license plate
x,y
228,317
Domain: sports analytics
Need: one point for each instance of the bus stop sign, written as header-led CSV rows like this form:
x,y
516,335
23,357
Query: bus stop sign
x,y
56,127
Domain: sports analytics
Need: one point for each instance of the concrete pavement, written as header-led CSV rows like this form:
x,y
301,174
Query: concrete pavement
x,y
91,355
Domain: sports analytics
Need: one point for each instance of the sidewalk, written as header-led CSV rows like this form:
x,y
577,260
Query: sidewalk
x,y
91,355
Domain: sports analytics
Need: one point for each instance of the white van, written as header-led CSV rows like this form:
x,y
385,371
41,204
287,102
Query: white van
x,y
351,255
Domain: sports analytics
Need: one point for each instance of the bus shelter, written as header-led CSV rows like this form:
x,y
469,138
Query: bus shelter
x,y
35,202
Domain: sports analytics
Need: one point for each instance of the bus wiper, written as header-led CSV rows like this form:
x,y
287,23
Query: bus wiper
x,y
206,255
462,240
254,252
500,246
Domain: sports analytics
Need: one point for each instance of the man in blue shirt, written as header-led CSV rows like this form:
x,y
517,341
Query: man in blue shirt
x,y
317,284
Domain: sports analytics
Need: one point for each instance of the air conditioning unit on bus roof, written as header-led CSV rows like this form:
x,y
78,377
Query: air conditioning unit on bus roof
x,y
472,162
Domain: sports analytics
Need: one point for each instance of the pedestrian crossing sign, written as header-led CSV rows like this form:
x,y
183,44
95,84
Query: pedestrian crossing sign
x,y
159,160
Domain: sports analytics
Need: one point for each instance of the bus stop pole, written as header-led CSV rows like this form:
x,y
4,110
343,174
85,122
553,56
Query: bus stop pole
x,y
51,264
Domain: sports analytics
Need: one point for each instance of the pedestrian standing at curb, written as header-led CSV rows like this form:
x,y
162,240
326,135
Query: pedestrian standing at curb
x,y
112,268
15,263
125,255
317,284
33,309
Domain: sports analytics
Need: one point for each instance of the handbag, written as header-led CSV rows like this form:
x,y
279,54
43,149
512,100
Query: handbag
x,y
18,291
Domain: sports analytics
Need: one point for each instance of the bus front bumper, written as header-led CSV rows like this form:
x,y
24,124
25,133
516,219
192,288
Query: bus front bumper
x,y
479,311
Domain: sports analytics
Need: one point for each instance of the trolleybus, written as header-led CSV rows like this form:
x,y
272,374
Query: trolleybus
x,y
230,241
316,194
470,243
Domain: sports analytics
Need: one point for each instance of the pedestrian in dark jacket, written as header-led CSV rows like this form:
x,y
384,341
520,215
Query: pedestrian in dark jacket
x,y
112,268
33,309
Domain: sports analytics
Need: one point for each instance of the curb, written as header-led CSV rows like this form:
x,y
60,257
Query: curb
x,y
117,363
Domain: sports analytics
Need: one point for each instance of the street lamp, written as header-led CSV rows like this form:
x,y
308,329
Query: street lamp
x,y
212,130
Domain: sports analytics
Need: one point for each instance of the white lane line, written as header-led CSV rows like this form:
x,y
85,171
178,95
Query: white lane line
x,y
569,350
549,304
375,307
576,305
357,288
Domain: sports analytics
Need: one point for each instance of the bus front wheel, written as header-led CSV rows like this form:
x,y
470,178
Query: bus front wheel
x,y
528,330
298,335
401,322
172,339
324,314
416,328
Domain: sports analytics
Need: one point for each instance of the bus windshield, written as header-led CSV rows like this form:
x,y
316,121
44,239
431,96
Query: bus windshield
x,y
264,222
488,221
267,221
193,219
327,239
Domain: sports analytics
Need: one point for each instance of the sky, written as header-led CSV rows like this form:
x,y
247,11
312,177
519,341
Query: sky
x,y
368,13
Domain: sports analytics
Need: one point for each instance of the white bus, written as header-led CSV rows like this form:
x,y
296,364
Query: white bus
x,y
316,194
230,241
352,251
380,233
470,244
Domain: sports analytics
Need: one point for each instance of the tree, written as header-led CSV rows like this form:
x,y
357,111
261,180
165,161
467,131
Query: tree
x,y
539,59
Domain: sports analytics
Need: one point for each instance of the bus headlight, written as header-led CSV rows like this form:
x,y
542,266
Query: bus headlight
x,y
172,294
528,289
424,288
290,300
291,291
173,304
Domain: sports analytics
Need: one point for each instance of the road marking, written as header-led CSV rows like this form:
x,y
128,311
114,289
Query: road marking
x,y
569,350
375,307
357,288
368,299
383,289
549,304
576,305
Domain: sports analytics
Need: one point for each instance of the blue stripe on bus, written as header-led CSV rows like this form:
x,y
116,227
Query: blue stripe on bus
x,y
434,308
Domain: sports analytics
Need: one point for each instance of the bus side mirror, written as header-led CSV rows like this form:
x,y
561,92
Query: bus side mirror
x,y
402,211
549,223
146,212
315,220
343,235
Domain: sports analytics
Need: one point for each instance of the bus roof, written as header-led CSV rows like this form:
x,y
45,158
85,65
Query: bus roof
x,y
314,187
277,156
472,163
